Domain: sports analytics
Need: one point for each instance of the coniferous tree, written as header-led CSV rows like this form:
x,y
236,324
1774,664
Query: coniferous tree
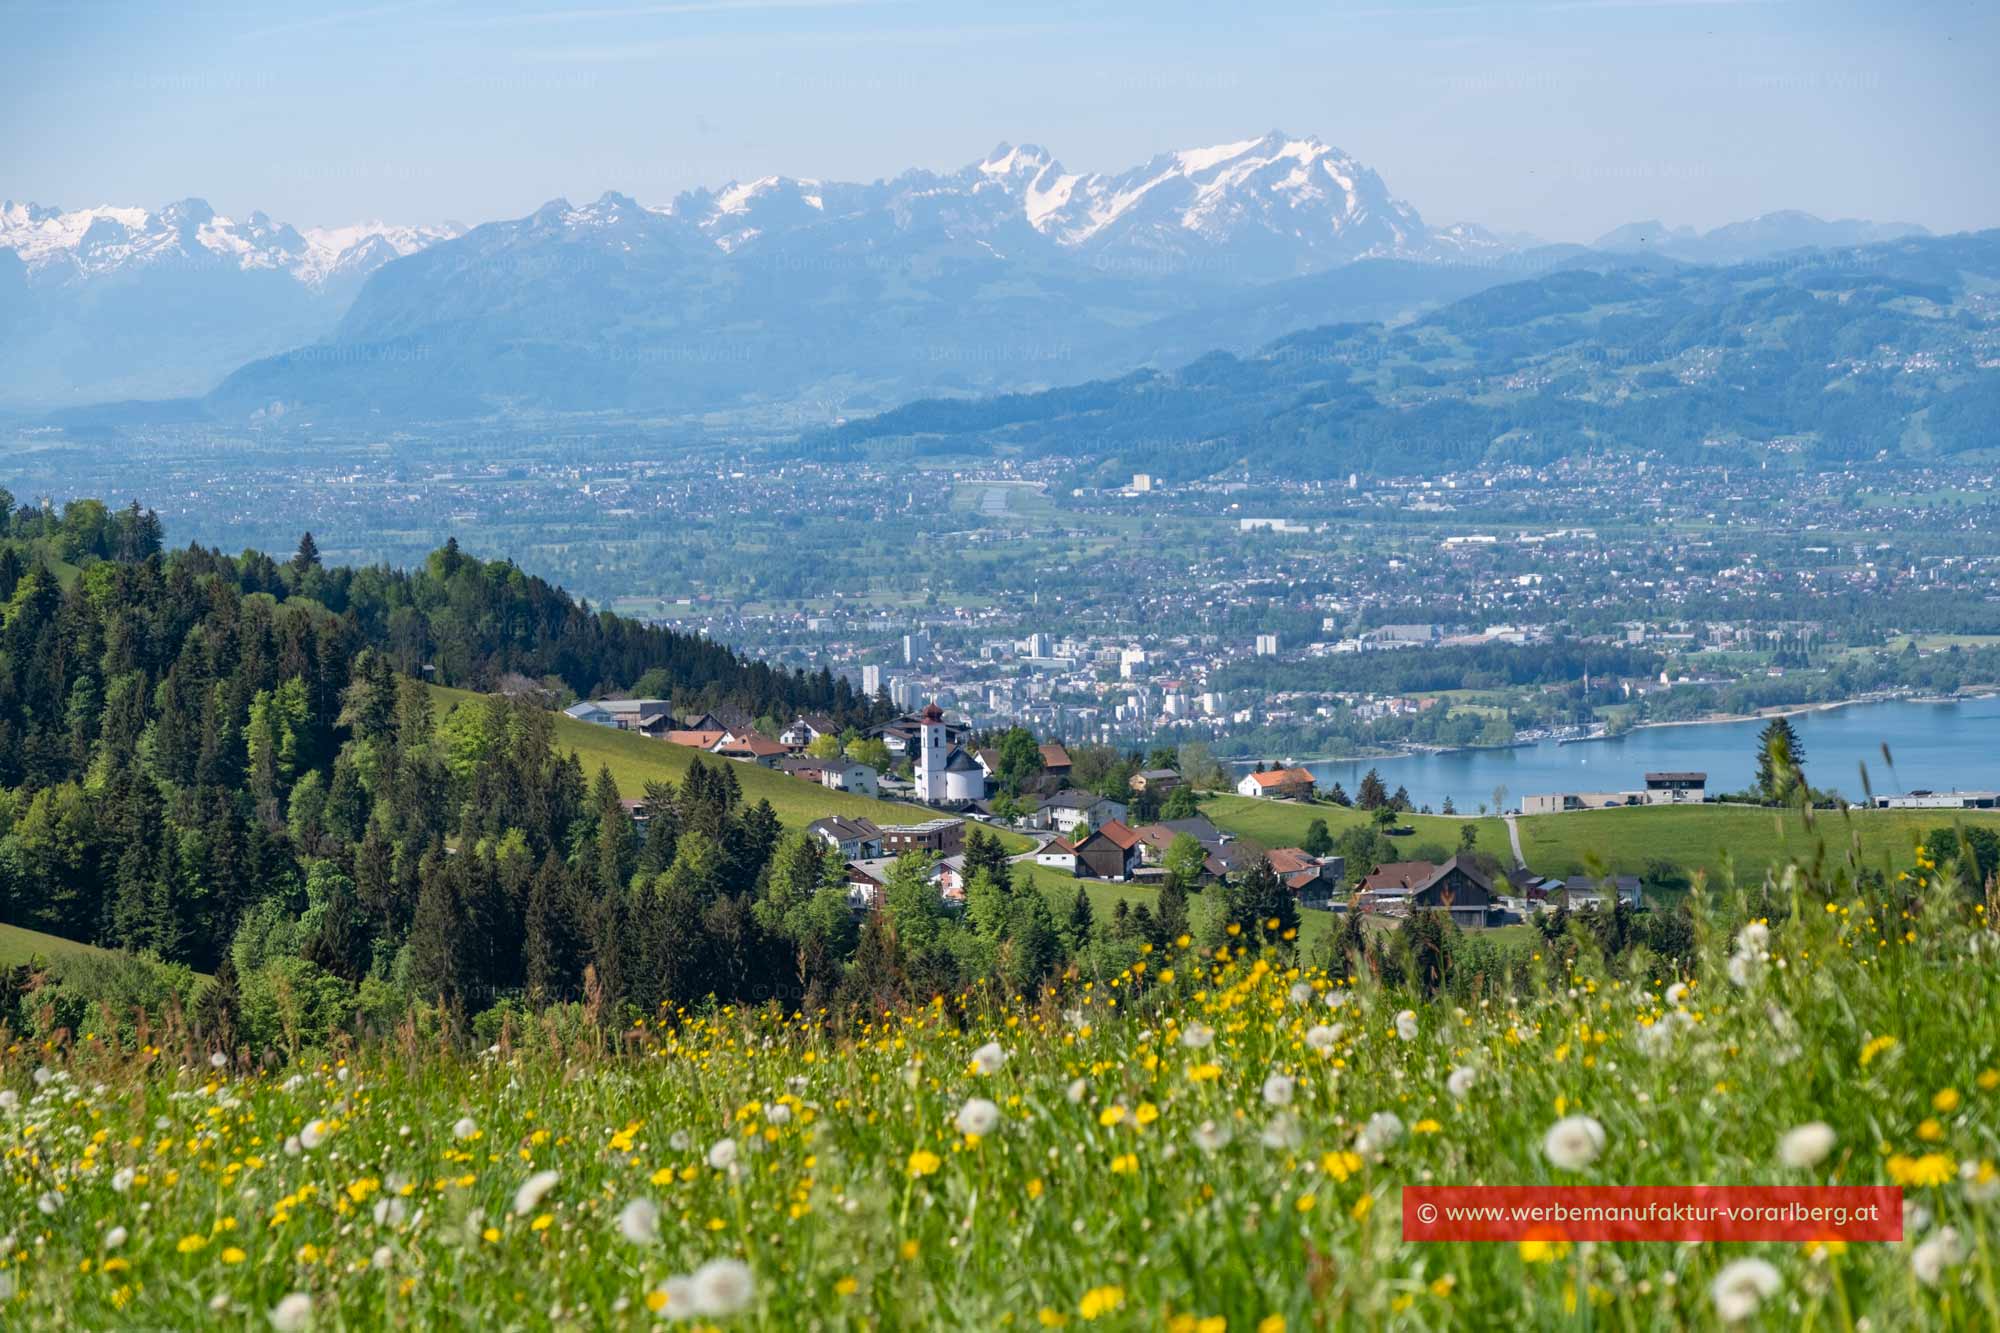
x,y
1077,929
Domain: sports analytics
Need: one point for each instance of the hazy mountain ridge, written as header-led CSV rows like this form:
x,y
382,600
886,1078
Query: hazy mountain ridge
x,y
1011,273
114,302
1891,350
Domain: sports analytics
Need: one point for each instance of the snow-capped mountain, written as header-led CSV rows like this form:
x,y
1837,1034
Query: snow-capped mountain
x,y
59,244
1291,203
1260,208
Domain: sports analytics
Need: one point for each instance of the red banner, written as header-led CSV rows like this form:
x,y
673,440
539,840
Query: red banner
x,y
1652,1212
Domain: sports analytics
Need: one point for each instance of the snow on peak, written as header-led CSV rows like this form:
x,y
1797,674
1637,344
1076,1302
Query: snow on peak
x,y
90,242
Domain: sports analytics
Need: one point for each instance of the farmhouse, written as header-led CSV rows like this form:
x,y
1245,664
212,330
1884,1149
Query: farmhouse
x,y
650,717
1108,853
1462,889
1277,784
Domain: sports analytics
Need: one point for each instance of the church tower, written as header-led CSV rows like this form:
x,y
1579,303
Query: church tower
x,y
931,755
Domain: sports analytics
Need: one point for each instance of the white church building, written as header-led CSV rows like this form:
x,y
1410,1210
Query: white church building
x,y
945,773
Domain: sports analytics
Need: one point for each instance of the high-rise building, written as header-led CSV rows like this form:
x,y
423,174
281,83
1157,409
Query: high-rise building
x,y
871,681
1267,645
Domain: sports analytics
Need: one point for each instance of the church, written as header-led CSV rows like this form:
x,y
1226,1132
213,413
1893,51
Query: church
x,y
945,773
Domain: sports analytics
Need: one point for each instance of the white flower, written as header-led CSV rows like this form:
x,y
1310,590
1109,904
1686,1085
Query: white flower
x,y
639,1222
1742,1286
988,1058
532,1189
1982,1183
722,1287
1753,938
1278,1090
1677,994
1302,992
294,1083
778,1113
114,1238
1654,1040
313,1134
217,1060
1283,1132
292,1313
1212,1135
1406,1025
384,1257
1742,970
122,1178
1573,1142
1381,1132
9,1099
390,1211
722,1154
1075,1091
48,1203
1461,1080
677,1295
680,1140
1941,1251
1197,1035
977,1116
465,1128
1322,1038
42,1076
1807,1145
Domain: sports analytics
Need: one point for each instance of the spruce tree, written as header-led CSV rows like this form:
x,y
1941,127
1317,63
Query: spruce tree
x,y
1077,930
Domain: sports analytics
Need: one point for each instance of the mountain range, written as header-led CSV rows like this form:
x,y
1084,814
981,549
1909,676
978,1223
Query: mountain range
x,y
1885,351
827,298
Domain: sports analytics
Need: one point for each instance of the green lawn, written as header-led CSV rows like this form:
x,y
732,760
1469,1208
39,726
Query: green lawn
x,y
18,946
1702,837
635,760
1284,824
1695,837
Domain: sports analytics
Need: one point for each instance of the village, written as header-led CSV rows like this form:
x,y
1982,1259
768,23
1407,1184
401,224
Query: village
x,y
957,788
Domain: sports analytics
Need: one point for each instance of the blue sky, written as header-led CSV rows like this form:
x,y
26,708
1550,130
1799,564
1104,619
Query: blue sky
x,y
1563,118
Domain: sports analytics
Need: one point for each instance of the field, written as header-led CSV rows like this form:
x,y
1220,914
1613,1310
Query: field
x,y
1701,837
1204,1143
1704,837
18,946
1284,824
635,760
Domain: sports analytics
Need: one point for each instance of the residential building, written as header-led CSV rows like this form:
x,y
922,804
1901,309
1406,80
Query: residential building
x,y
946,837
854,839
1676,787
807,728
1158,781
1073,808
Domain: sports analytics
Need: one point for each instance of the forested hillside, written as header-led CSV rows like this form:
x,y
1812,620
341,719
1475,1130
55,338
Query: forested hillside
x,y
224,764
230,760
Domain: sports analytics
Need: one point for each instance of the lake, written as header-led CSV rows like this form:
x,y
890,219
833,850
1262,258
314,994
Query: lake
x,y
1935,745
